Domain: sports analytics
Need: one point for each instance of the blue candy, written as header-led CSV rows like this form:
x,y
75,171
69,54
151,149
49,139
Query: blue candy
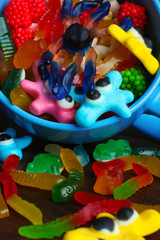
x,y
11,145
106,96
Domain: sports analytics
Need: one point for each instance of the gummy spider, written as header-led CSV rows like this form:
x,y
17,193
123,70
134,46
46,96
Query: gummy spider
x,y
76,40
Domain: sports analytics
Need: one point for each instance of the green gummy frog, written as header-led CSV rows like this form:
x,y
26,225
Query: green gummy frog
x,y
46,162
111,150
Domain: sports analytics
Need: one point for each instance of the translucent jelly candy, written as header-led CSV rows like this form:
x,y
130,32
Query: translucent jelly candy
x,y
45,162
44,181
29,52
111,150
20,98
4,212
146,151
28,210
129,187
65,190
12,81
81,154
61,225
54,27
53,148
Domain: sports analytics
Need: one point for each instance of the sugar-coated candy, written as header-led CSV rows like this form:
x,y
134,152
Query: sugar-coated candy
x,y
126,224
61,225
45,162
106,96
12,81
139,49
126,189
44,181
81,154
45,102
112,149
135,81
137,12
65,190
11,145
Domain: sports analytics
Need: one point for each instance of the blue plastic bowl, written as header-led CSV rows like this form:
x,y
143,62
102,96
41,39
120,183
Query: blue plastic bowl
x,y
145,111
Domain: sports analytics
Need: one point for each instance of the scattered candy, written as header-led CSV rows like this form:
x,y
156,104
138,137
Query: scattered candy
x,y
126,224
44,180
81,154
53,148
11,145
4,211
147,151
61,225
126,189
23,207
111,150
45,162
65,190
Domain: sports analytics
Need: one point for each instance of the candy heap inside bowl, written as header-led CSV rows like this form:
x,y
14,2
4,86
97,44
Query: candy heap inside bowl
x,y
90,58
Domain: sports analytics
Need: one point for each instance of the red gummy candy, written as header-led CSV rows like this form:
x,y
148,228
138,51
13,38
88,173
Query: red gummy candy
x,y
9,186
50,25
137,12
97,167
37,9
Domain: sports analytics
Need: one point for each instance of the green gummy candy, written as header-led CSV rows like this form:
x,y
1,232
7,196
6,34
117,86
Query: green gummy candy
x,y
125,190
12,81
111,150
45,162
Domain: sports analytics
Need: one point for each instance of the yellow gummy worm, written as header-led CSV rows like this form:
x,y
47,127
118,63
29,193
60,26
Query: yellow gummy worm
x,y
70,160
44,181
26,209
151,162
4,212
139,49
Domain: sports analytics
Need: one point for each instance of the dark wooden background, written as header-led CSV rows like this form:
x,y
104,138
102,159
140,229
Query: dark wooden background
x,y
43,199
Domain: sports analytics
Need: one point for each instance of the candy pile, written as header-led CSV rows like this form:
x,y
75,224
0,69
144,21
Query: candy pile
x,y
89,59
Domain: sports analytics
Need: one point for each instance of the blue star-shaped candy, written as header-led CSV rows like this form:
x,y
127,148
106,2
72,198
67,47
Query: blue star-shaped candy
x,y
106,96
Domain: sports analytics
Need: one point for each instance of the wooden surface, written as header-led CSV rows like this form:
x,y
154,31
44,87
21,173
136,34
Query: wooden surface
x,y
43,199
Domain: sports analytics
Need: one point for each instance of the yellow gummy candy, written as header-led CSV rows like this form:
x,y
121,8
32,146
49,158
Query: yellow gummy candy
x,y
4,212
26,209
70,160
139,49
44,181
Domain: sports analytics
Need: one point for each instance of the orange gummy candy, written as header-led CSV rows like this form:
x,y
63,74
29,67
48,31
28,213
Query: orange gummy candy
x,y
29,52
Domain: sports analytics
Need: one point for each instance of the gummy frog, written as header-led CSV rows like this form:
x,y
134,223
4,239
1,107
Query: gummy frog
x,y
11,145
111,150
